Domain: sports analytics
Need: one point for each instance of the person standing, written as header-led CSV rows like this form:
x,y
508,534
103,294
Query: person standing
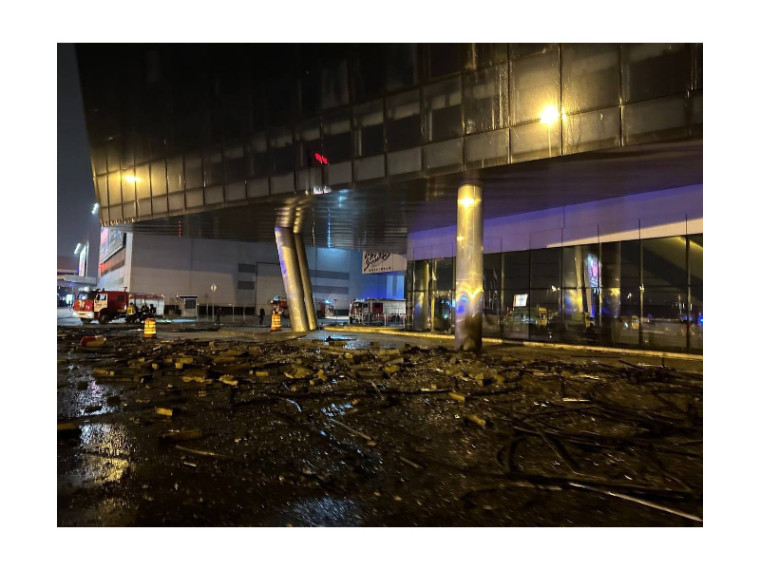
x,y
261,316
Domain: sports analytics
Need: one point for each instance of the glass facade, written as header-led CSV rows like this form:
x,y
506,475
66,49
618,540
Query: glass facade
x,y
198,117
638,293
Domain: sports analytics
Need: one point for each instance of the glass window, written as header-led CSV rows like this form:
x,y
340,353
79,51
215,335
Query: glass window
x,y
99,159
544,268
175,173
443,110
654,70
368,76
213,166
142,183
279,107
114,188
234,164
256,153
664,262
400,66
402,127
659,119
368,129
696,309
337,136
520,50
479,56
516,270
158,177
310,143
236,116
535,86
443,59
194,170
281,152
113,152
580,266
335,84
311,91
128,185
590,76
485,100
443,274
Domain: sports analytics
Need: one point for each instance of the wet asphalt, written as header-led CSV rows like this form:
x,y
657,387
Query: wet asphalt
x,y
239,426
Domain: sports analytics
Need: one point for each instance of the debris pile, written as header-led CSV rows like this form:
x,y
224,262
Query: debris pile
x,y
415,435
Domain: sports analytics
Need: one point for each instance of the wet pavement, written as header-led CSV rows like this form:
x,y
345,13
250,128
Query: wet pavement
x,y
208,426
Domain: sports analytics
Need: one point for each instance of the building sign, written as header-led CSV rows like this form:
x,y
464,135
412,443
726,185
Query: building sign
x,y
111,241
379,262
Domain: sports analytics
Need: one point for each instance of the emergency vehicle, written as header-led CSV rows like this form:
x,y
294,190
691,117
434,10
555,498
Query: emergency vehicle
x,y
385,311
106,306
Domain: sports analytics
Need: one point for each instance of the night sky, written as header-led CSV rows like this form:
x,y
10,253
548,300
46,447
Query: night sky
x,y
76,193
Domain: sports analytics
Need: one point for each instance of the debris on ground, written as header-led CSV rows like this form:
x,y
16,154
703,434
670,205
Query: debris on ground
x,y
509,437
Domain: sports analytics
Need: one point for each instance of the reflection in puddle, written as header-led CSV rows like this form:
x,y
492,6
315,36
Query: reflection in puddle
x,y
104,456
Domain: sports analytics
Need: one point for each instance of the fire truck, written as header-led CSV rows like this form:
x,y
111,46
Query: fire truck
x,y
106,306
385,311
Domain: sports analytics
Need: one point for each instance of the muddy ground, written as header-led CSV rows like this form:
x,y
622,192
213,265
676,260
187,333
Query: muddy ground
x,y
344,429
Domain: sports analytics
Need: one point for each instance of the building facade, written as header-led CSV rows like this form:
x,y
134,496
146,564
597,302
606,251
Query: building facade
x,y
366,146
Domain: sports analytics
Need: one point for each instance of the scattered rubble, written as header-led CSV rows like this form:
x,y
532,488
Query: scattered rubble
x,y
506,437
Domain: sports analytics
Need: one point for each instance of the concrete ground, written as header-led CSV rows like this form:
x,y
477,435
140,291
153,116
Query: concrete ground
x,y
239,426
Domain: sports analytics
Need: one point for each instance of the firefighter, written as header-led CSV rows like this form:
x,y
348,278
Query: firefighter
x,y
131,312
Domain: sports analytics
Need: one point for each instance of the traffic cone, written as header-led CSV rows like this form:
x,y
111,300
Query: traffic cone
x,y
149,330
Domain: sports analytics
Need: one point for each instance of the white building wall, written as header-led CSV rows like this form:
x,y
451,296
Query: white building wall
x,y
676,211
172,266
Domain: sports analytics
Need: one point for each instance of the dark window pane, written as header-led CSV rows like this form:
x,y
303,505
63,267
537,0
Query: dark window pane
x,y
664,262
402,128
485,100
368,129
335,84
535,86
590,76
443,275
654,70
580,266
517,270
544,268
400,66
443,110
369,76
444,59
235,164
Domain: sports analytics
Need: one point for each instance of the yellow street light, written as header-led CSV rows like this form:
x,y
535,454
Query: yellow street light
x,y
549,116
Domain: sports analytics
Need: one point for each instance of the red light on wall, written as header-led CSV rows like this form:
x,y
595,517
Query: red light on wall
x,y
321,159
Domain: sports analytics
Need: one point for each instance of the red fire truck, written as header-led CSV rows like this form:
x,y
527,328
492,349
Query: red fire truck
x,y
106,306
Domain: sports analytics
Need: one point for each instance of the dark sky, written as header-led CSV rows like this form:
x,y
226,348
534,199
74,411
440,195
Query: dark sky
x,y
76,193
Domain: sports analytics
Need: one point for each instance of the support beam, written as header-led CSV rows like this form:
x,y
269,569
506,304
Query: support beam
x,y
308,296
468,332
291,277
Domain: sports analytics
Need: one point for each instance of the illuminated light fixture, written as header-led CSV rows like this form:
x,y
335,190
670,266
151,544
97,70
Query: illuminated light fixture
x,y
321,159
131,179
95,208
467,202
549,115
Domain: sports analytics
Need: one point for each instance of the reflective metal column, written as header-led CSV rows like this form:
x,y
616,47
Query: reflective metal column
x,y
468,333
308,296
291,277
